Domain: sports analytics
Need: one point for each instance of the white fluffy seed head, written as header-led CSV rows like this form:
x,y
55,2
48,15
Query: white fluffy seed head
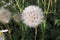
x,y
17,17
2,37
32,16
5,15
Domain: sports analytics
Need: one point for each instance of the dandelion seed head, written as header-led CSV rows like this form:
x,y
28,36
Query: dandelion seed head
x,y
5,15
32,16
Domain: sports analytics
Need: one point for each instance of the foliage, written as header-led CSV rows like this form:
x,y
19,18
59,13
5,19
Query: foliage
x,y
48,30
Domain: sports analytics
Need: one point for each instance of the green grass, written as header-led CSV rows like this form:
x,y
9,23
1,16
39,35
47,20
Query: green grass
x,y
48,30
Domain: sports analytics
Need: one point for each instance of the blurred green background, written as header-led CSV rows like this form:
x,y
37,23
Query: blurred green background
x,y
48,30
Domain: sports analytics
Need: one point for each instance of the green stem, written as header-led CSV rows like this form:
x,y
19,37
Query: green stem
x,y
23,2
55,10
51,1
38,2
35,33
44,5
43,29
48,6
18,5
55,6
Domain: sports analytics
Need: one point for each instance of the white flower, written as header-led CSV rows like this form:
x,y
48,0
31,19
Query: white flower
x,y
32,16
17,17
3,30
2,36
5,15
